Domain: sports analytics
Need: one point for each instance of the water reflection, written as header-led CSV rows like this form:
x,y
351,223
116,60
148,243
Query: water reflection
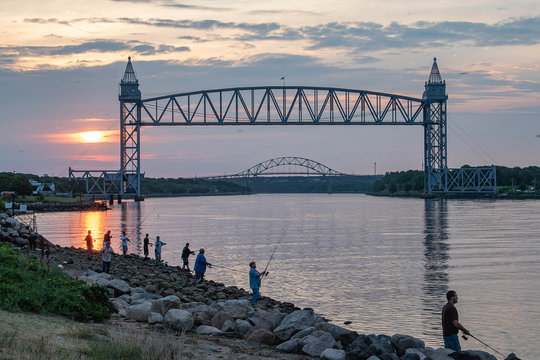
x,y
435,263
130,222
91,221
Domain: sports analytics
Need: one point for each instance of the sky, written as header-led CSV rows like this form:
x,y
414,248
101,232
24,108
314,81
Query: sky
x,y
61,62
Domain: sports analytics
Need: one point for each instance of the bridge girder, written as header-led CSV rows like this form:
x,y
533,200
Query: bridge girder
x,y
281,105
289,105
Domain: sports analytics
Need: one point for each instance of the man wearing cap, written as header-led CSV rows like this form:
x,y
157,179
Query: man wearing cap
x,y
200,266
255,281
185,256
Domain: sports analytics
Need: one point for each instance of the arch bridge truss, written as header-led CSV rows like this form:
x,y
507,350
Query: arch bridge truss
x,y
287,105
265,168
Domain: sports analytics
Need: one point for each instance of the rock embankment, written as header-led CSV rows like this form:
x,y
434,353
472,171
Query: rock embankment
x,y
166,297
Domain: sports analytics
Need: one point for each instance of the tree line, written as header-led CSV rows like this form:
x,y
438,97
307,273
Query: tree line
x,y
20,184
509,180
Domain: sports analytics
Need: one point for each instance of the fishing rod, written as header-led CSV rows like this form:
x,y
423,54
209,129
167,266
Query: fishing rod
x,y
268,263
225,267
142,221
480,341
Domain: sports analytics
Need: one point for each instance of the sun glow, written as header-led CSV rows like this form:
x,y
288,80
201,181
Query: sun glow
x,y
92,136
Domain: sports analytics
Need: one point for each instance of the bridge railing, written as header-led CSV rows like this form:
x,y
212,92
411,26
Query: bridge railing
x,y
282,105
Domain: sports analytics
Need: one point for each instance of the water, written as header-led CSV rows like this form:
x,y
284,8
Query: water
x,y
383,263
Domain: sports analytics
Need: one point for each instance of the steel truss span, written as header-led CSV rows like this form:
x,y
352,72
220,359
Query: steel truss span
x,y
264,167
281,105
287,105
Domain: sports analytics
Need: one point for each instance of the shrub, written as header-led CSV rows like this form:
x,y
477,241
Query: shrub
x,y
26,285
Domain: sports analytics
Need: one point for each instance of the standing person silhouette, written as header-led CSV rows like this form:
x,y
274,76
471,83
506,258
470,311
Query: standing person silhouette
x,y
125,240
146,243
89,244
157,249
255,281
200,266
185,256
450,322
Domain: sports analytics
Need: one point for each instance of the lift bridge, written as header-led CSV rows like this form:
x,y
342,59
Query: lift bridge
x,y
282,106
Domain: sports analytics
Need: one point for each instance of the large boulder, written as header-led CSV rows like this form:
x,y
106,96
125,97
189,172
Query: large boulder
x,y
139,312
165,304
403,342
410,357
208,330
120,287
316,342
178,319
261,323
228,326
262,336
365,346
472,355
154,318
304,333
419,352
289,346
219,319
438,354
336,331
293,323
119,304
236,311
333,354
242,327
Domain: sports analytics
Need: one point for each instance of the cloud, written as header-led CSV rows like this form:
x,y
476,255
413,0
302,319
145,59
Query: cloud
x,y
7,53
46,21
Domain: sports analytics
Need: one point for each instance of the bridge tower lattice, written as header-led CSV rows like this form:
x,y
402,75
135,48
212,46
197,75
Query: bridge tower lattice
x,y
130,115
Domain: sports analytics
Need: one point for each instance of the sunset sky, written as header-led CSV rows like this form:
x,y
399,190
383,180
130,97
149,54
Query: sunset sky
x,y
61,62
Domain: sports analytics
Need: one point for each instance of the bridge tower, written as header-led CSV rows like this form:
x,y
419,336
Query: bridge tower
x,y
130,115
435,151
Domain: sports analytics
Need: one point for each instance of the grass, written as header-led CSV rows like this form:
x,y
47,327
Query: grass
x,y
32,336
27,285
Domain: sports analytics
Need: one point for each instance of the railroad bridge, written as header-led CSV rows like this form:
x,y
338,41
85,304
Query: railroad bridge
x,y
286,106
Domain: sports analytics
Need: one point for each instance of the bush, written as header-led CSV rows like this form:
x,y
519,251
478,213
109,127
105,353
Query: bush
x,y
26,285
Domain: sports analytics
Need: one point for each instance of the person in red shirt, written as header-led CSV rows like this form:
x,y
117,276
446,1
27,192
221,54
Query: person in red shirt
x,y
450,323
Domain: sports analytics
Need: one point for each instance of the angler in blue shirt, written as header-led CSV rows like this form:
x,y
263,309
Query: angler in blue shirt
x,y
200,266
255,281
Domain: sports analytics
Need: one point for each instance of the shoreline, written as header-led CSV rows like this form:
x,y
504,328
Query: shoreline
x,y
280,325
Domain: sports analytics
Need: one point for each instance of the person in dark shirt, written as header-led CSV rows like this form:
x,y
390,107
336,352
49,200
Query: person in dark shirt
x,y
185,256
89,244
450,323
146,243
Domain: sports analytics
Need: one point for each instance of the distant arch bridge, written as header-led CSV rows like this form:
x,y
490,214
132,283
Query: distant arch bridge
x,y
265,168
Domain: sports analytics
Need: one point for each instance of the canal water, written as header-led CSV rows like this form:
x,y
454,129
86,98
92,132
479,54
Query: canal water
x,y
382,263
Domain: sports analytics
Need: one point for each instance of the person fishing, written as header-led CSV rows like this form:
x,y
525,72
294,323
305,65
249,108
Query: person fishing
x,y
107,237
157,249
89,244
185,256
106,257
255,281
451,324
125,240
200,266
146,243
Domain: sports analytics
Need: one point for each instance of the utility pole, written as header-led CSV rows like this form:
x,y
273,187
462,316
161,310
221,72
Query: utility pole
x,y
375,168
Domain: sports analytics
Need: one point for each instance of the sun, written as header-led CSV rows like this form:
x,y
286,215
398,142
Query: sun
x,y
92,136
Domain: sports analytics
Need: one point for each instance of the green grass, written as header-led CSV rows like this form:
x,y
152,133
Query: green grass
x,y
26,285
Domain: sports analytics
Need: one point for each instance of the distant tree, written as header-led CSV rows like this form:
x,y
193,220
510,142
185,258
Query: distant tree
x,y
21,185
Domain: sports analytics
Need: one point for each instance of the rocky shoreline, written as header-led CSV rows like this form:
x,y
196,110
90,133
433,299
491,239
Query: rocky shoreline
x,y
167,298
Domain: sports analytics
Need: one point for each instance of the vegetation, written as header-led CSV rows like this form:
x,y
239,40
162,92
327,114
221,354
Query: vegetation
x,y
180,186
27,285
509,180
31,336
